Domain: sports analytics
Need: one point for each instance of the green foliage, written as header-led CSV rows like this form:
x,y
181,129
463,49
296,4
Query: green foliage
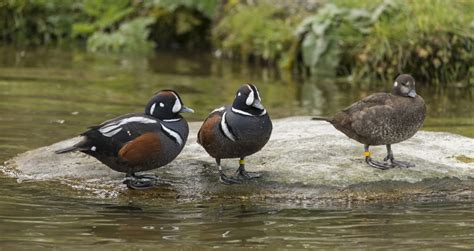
x,y
206,7
431,39
260,31
107,25
324,35
112,28
182,23
103,14
427,38
130,37
36,22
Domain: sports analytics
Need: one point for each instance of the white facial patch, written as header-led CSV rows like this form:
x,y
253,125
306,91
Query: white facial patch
x,y
152,108
404,89
251,97
113,128
162,105
173,134
177,105
395,84
225,128
93,148
239,94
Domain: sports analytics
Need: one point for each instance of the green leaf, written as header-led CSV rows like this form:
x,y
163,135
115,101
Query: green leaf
x,y
83,28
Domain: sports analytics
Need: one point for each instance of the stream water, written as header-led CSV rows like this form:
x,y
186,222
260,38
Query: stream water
x,y
47,95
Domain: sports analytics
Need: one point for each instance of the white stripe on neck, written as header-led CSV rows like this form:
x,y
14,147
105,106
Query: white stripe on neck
x,y
220,109
173,134
248,114
171,120
225,128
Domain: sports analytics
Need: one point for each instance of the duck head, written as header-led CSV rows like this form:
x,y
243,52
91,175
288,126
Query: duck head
x,y
404,85
248,100
166,104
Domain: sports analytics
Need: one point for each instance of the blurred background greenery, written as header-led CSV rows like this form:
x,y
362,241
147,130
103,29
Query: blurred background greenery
x,y
68,64
368,39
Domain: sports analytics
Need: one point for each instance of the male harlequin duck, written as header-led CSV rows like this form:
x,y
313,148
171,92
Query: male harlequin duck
x,y
236,131
383,119
139,141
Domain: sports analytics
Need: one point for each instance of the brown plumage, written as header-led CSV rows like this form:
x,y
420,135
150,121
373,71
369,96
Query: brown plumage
x,y
206,135
383,119
236,131
138,142
141,149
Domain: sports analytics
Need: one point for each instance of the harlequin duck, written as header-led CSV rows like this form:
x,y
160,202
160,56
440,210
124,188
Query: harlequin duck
x,y
138,142
236,131
383,119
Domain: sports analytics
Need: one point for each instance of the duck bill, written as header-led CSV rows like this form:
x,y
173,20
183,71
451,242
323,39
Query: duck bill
x,y
186,109
256,103
412,93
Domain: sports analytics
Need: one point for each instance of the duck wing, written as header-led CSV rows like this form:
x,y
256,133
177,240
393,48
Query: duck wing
x,y
111,135
366,118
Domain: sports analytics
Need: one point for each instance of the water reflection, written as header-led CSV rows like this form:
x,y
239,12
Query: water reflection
x,y
40,216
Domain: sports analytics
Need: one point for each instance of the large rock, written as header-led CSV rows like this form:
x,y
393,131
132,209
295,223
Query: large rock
x,y
304,160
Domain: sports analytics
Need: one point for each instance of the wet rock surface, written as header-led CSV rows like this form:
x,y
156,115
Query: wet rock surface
x,y
304,160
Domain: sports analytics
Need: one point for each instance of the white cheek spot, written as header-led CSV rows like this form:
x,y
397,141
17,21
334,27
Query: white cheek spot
x,y
395,84
93,148
162,105
239,94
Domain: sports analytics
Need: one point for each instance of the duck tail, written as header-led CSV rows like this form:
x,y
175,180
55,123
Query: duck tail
x,y
67,150
322,118
80,146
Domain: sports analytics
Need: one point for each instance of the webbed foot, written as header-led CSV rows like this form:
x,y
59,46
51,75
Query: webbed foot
x,y
142,182
378,164
398,163
247,175
228,180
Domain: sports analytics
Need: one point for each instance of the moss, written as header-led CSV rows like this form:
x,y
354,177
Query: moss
x,y
464,159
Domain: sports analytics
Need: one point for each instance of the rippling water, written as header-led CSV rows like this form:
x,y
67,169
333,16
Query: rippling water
x,y
50,95
35,217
